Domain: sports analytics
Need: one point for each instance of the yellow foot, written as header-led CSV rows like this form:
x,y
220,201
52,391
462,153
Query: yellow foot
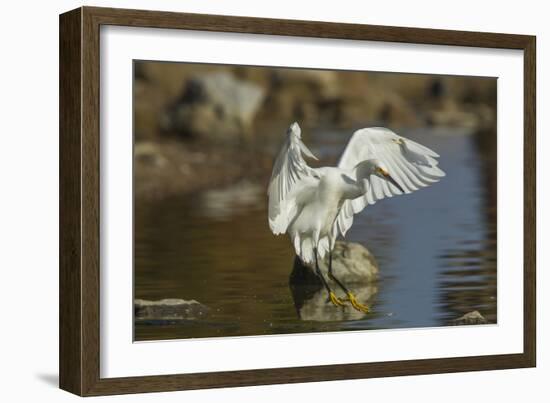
x,y
335,300
357,305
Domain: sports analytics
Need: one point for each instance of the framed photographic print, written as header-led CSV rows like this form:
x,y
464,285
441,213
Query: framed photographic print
x,y
249,201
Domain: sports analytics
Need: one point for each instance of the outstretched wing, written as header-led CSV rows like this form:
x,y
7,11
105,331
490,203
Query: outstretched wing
x,y
412,165
290,172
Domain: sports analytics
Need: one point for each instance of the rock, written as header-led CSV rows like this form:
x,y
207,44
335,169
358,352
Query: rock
x,y
313,85
315,306
169,309
149,102
351,263
396,111
172,167
380,106
215,107
471,318
149,154
302,95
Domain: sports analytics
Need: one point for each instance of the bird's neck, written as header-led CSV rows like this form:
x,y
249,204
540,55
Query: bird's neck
x,y
352,189
335,187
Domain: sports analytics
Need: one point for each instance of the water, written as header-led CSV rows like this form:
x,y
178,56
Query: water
x,y
436,250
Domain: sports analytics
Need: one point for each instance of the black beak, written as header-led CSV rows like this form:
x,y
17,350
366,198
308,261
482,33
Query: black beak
x,y
394,183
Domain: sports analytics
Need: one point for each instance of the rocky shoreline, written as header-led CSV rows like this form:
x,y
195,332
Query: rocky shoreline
x,y
206,126
170,167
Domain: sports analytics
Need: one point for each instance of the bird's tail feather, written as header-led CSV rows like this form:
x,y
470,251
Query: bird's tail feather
x,y
305,248
323,247
306,251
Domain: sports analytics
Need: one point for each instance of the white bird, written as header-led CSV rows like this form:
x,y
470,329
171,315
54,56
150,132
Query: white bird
x,y
316,205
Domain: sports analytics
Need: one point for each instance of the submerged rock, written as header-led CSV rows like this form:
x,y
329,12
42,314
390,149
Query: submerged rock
x,y
471,318
316,307
169,309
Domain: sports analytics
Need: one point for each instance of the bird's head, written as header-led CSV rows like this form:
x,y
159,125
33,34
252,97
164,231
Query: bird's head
x,y
381,171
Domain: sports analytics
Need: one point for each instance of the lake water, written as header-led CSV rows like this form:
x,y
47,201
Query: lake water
x,y
436,251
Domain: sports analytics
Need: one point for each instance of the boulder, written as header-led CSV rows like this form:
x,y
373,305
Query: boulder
x,y
214,107
352,264
169,309
471,318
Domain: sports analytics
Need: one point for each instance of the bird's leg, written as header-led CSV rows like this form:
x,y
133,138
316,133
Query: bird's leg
x,y
352,299
332,296
332,276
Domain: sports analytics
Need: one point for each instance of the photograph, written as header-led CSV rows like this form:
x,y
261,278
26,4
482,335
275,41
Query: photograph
x,y
277,200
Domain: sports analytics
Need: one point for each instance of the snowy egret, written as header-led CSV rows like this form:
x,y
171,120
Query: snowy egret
x,y
316,205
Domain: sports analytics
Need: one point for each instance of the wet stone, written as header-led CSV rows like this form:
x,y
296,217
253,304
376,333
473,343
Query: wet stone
x,y
170,309
471,318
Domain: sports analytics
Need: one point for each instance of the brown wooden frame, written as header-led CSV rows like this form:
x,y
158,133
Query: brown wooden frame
x,y
79,200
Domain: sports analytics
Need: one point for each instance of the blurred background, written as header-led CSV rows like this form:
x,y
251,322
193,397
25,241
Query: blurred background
x,y
205,140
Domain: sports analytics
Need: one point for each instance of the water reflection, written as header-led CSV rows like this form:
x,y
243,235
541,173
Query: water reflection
x,y
436,250
310,296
